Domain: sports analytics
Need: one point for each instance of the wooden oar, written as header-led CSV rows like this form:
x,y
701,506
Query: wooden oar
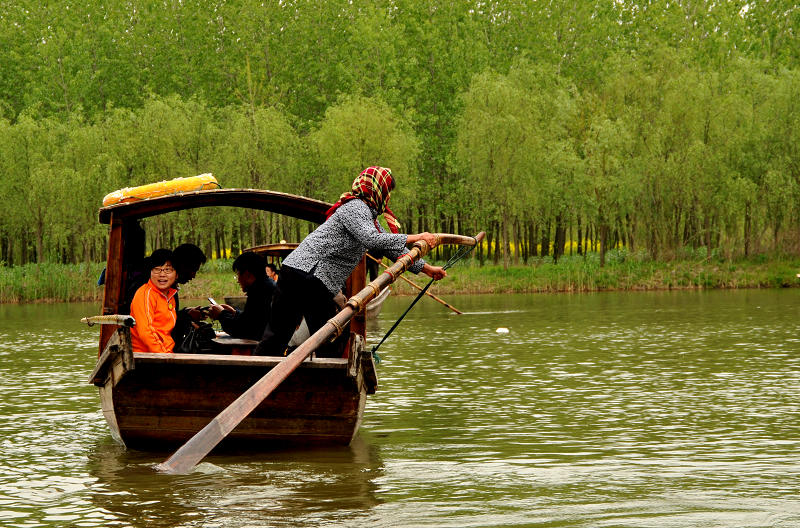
x,y
417,286
197,447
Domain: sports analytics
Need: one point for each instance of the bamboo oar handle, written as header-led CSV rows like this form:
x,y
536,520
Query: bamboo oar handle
x,y
114,319
458,240
198,446
405,261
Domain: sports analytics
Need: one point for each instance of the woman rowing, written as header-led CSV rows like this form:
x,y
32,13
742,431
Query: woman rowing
x,y
316,270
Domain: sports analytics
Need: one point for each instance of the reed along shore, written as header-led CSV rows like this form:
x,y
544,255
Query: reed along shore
x,y
48,282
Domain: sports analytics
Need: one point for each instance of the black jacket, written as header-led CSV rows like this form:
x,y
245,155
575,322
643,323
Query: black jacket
x,y
250,322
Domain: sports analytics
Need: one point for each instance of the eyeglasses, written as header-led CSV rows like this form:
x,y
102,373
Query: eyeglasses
x,y
163,271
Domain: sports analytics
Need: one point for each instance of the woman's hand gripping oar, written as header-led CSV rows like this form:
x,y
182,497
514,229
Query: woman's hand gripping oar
x,y
197,447
417,286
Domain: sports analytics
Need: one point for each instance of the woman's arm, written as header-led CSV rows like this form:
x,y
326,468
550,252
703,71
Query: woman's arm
x,y
429,238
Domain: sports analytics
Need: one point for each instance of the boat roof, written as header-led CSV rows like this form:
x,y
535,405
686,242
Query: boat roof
x,y
277,202
274,250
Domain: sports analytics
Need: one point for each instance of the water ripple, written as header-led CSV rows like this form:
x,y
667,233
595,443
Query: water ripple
x,y
655,410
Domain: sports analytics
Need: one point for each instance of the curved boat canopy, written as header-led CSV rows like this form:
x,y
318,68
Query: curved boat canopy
x,y
124,219
282,203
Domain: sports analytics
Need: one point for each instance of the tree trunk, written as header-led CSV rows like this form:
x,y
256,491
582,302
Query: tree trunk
x,y
560,238
497,244
235,240
629,228
39,234
489,240
569,231
505,238
517,249
747,229
545,240
603,228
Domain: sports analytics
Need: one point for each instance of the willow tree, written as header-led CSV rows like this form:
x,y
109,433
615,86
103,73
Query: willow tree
x,y
515,153
168,138
360,132
261,150
553,162
614,184
496,136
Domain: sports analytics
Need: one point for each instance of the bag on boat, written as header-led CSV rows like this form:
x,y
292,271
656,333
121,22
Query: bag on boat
x,y
198,340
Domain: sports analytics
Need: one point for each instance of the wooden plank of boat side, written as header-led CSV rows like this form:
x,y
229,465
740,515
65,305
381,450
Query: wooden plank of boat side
x,y
116,357
241,361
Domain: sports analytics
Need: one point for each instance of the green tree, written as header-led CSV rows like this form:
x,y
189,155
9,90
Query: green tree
x,y
360,132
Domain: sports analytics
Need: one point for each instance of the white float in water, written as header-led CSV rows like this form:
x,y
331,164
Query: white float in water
x,y
502,330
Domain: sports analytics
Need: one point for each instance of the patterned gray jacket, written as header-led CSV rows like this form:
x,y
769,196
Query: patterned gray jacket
x,y
333,250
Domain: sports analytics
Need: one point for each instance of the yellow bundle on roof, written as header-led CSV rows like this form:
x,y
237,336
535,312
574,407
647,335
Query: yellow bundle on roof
x,y
162,188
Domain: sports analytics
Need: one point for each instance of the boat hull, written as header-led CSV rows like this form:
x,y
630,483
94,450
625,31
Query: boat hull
x,y
152,401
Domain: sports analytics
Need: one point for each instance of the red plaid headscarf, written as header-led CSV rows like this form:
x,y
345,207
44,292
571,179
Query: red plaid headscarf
x,y
373,186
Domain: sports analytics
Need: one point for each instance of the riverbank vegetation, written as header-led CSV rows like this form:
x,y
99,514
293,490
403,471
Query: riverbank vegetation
x,y
622,271
663,128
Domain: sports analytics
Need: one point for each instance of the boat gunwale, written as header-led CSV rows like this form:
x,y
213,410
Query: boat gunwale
x,y
234,360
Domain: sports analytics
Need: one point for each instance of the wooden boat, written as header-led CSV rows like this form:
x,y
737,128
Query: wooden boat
x,y
275,253
155,401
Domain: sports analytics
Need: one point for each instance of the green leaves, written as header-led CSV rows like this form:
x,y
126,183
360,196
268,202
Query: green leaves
x,y
666,123
360,132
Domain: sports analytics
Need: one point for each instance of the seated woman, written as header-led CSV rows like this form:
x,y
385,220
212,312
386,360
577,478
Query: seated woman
x,y
153,306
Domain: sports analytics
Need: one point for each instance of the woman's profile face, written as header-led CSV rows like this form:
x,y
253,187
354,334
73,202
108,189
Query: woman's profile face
x,y
163,276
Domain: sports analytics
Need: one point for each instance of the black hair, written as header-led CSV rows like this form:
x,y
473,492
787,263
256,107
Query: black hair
x,y
272,266
160,257
252,262
189,255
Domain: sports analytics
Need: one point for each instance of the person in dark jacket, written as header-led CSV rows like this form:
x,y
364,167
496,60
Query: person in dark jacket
x,y
252,277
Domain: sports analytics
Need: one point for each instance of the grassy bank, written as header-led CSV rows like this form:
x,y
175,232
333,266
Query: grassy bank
x,y
623,271
50,283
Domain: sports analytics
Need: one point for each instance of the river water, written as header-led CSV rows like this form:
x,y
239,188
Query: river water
x,y
658,409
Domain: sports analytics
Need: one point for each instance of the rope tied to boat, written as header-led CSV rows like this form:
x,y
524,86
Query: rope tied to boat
x,y
462,252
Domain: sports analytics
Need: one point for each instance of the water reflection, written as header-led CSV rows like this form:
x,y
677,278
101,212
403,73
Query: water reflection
x,y
241,489
612,407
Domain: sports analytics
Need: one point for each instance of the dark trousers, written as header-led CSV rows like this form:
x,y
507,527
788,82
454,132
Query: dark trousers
x,y
298,294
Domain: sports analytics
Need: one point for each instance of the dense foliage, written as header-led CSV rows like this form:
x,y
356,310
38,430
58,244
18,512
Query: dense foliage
x,y
556,126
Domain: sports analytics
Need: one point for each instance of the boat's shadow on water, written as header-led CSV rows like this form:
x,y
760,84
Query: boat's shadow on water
x,y
280,485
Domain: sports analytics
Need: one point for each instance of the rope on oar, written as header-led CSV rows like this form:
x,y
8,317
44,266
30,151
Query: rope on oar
x,y
462,252
113,319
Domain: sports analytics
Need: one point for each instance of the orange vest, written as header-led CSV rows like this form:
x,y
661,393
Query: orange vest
x,y
155,318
